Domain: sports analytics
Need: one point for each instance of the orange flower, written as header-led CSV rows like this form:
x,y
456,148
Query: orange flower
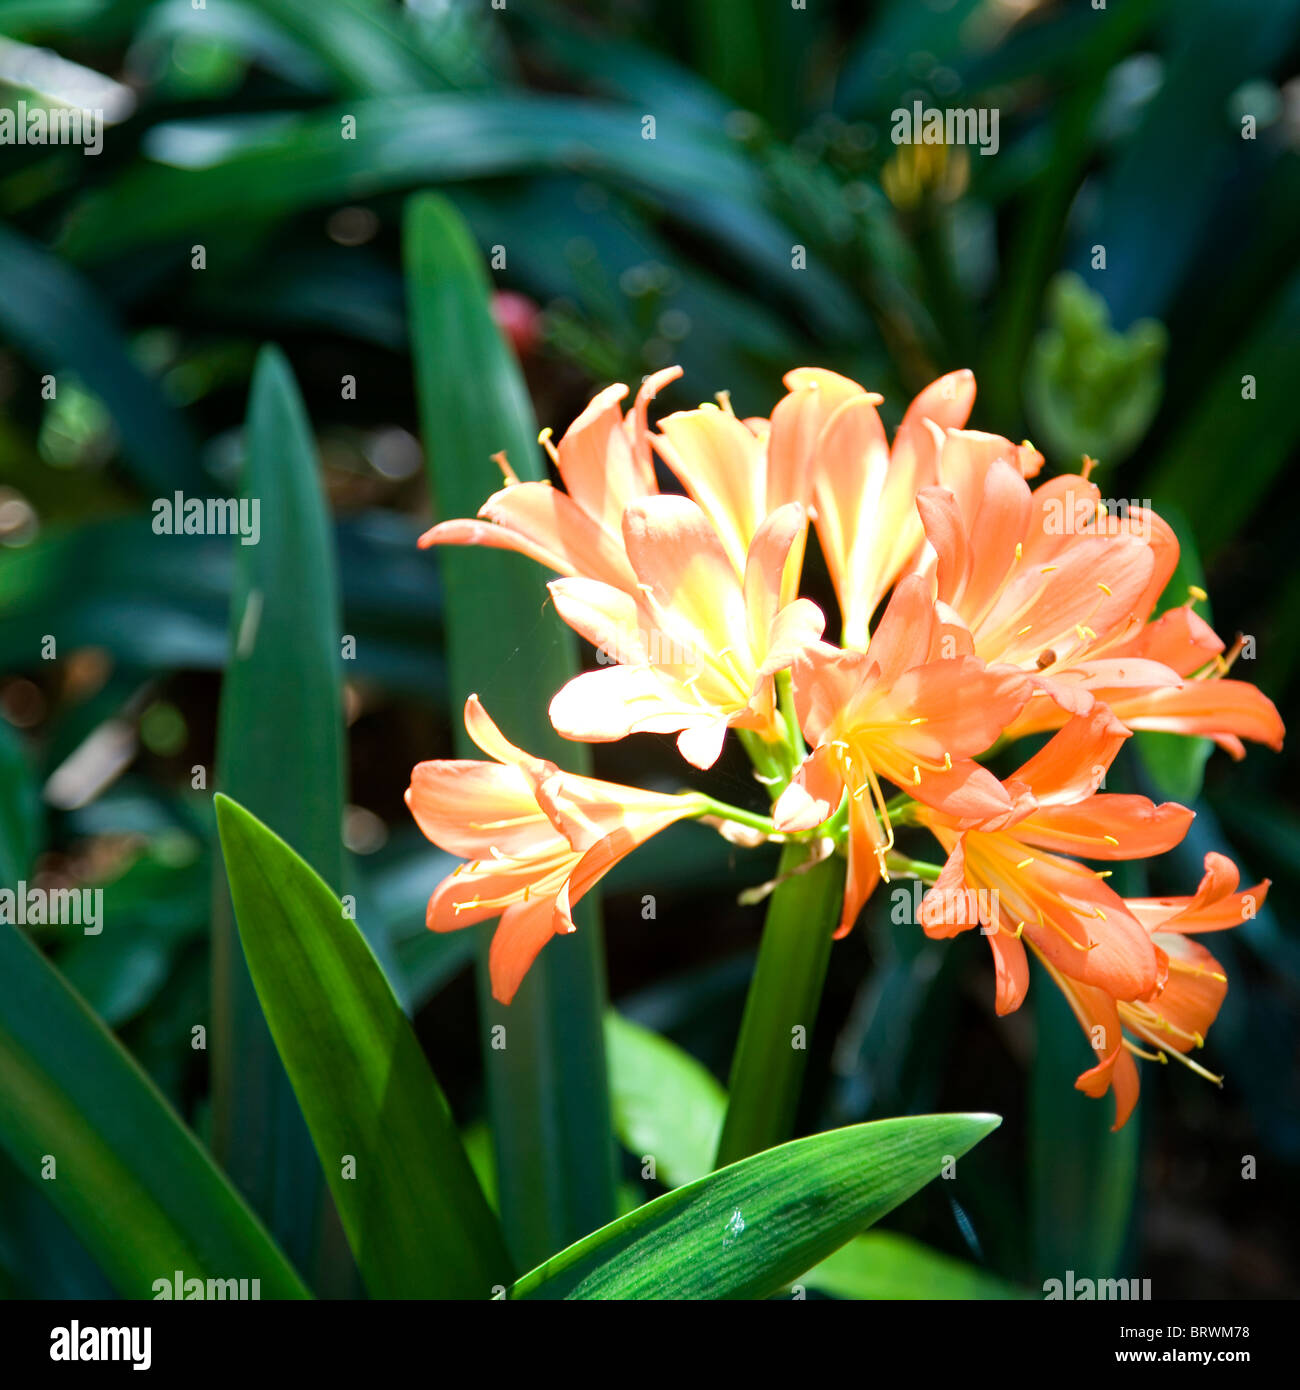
x,y
537,839
1041,580
605,463
1048,582
897,712
1190,988
1122,964
828,444
697,645
1064,910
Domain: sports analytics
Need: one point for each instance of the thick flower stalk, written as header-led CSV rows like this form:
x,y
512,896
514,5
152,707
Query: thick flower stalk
x,y
1007,607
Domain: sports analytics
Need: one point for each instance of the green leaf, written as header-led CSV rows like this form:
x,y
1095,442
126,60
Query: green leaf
x,y
547,1089
669,1107
413,1211
163,602
279,752
401,142
882,1265
21,813
1082,1177
1219,484
57,319
751,1229
137,1188
367,46
666,1105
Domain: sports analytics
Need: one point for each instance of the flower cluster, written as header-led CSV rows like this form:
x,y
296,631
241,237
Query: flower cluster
x,y
975,609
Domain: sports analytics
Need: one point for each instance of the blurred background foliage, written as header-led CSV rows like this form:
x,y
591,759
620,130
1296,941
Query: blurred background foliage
x,y
1123,276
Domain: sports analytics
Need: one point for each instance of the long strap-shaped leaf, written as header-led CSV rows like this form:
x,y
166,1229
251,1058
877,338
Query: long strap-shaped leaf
x,y
414,1214
546,1086
80,1118
749,1230
280,753
669,1108
58,320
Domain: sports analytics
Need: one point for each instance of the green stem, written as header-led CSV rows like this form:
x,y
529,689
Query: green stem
x,y
766,758
901,866
734,813
771,1051
794,734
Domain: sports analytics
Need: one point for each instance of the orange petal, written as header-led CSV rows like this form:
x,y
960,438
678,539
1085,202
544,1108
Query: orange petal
x,y
523,930
596,461
1098,1016
1011,970
797,627
1216,709
765,567
1193,992
543,523
1073,764
1216,905
864,866
1180,639
797,421
469,808
857,520
719,462
603,706
947,403
814,793
684,569
1086,931
905,635
958,707
607,617
944,908
1108,826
